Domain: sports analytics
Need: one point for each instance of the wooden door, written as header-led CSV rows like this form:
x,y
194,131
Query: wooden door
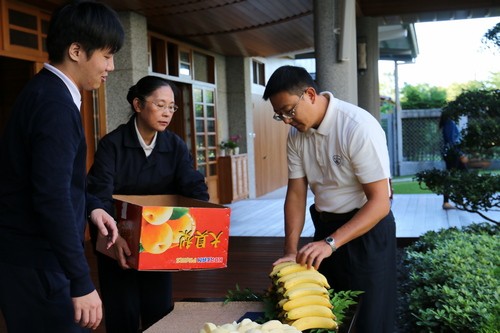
x,y
271,171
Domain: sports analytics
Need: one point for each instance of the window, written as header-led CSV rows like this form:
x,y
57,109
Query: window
x,y
204,67
26,31
259,76
170,58
184,63
205,130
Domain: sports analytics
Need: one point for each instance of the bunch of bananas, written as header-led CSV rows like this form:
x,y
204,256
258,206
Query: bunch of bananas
x,y
302,296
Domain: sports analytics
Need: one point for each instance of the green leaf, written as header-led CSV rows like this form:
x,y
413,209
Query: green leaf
x,y
179,212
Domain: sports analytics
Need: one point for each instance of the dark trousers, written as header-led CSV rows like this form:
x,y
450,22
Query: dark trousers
x,y
367,263
452,162
36,300
133,300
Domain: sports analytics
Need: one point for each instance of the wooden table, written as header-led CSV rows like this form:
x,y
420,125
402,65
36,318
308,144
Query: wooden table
x,y
189,317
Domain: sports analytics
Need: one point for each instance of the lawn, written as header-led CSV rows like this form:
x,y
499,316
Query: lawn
x,y
407,187
406,184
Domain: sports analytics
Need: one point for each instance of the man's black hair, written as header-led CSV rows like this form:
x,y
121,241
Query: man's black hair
x,y
295,80
91,24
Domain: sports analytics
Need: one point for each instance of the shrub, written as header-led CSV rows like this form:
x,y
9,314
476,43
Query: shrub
x,y
471,191
453,280
481,136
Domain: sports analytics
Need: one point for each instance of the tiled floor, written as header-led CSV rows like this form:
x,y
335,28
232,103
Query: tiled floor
x,y
415,214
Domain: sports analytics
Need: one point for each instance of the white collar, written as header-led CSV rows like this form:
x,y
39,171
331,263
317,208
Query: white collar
x,y
73,89
327,122
147,148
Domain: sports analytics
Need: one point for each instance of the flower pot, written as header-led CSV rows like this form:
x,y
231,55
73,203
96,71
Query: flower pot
x,y
236,150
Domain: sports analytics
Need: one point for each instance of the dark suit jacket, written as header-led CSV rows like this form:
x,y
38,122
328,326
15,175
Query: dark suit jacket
x,y
121,167
42,183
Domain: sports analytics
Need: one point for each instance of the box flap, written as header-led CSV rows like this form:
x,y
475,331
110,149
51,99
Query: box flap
x,y
165,200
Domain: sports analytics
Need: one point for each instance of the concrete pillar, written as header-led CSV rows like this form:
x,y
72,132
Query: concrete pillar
x,y
368,83
131,64
335,47
239,100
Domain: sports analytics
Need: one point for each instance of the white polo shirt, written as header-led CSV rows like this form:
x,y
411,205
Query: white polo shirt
x,y
348,149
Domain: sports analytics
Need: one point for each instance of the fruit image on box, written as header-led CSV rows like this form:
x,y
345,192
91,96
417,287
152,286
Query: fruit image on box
x,y
170,232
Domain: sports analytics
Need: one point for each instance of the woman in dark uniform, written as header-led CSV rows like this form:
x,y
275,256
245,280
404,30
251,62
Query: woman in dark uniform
x,y
141,157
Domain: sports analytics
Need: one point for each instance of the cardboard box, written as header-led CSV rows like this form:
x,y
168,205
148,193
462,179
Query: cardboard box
x,y
171,232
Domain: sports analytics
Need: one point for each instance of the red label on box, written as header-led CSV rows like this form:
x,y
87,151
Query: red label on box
x,y
166,235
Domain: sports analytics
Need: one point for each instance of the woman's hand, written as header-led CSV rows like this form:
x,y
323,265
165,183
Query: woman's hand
x,y
122,251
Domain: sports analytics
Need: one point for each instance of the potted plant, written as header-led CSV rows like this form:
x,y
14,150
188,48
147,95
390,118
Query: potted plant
x,y
232,144
222,148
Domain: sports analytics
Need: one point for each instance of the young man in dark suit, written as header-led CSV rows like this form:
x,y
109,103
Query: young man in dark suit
x,y
45,284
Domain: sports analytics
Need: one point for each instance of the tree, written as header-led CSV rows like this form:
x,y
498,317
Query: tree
x,y
492,37
468,189
456,89
422,96
481,136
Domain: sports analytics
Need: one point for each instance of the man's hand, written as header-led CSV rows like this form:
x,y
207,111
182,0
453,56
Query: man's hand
x,y
312,254
106,225
122,251
286,257
88,310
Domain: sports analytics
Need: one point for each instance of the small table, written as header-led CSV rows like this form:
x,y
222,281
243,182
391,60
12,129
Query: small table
x,y
189,317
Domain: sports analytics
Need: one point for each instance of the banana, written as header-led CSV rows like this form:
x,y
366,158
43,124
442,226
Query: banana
x,y
292,269
280,291
300,292
309,311
287,277
301,277
307,300
279,266
307,323
281,302
300,286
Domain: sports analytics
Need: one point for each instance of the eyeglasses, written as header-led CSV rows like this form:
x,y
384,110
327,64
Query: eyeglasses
x,y
164,107
287,115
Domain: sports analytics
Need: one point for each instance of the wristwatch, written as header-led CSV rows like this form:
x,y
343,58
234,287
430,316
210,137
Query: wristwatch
x,y
331,241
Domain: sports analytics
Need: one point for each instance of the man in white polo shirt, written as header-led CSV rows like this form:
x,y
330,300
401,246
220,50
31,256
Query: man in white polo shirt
x,y
338,150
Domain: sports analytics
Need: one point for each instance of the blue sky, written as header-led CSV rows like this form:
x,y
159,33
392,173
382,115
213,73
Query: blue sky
x,y
449,52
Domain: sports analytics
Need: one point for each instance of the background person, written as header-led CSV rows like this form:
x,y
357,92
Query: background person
x,y
141,157
454,158
45,285
339,150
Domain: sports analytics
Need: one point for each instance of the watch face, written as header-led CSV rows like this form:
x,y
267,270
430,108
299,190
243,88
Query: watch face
x,y
330,241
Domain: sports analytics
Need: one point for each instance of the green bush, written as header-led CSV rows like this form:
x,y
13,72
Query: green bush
x,y
472,191
453,280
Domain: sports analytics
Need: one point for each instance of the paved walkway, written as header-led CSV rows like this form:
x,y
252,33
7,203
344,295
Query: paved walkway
x,y
415,214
